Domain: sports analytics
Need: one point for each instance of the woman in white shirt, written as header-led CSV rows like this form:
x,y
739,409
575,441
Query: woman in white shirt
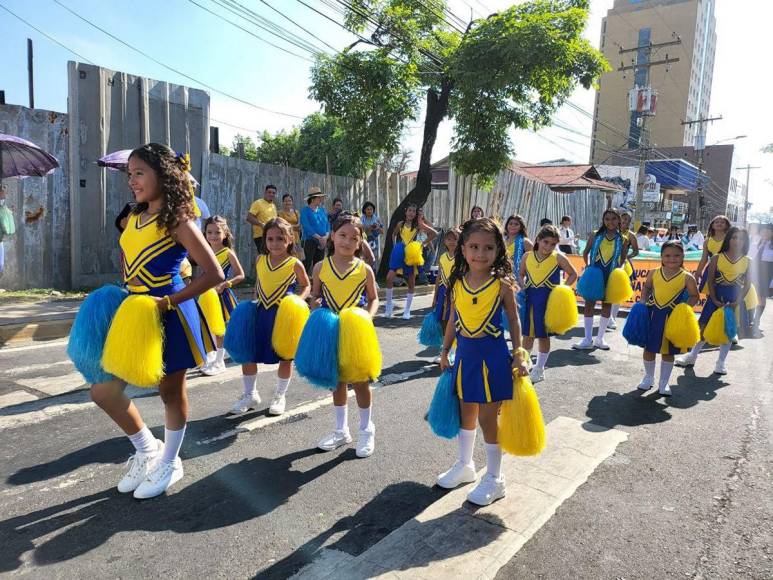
x,y
567,243
642,239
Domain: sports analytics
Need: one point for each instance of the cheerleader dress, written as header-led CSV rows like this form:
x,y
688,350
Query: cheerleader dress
x,y
342,290
482,368
397,257
541,277
228,299
729,280
713,247
665,295
606,258
152,261
442,305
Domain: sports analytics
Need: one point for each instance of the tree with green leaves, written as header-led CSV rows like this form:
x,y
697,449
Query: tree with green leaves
x,y
513,69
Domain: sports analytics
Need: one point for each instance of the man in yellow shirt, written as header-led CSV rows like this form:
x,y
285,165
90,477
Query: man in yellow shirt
x,y
260,212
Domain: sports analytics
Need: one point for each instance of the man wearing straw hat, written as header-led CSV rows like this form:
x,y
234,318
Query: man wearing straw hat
x,y
315,228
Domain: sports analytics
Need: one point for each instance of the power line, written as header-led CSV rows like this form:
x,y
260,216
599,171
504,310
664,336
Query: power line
x,y
283,15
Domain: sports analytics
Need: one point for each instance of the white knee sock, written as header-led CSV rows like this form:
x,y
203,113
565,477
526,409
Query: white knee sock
x,y
143,441
341,417
365,415
615,310
466,445
220,356
542,359
494,459
173,440
603,322
665,372
697,348
389,293
281,386
249,382
588,327
408,301
724,350
649,370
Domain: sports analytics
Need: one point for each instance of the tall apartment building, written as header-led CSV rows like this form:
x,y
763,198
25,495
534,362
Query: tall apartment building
x,y
683,88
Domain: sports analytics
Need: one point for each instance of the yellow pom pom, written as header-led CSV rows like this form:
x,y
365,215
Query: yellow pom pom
x,y
751,301
682,327
290,319
209,302
521,427
628,268
561,310
618,287
714,333
359,355
134,348
413,254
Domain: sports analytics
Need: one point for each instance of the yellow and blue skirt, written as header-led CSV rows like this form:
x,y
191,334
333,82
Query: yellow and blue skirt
x,y
397,261
533,313
228,302
656,332
482,369
442,304
187,338
726,293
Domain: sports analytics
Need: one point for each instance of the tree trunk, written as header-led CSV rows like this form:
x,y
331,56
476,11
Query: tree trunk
x,y
437,110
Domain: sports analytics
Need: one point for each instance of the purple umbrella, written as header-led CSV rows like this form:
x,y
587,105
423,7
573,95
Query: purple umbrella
x,y
119,161
20,158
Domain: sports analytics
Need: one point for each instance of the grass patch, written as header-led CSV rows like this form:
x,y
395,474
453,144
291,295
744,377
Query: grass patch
x,y
32,295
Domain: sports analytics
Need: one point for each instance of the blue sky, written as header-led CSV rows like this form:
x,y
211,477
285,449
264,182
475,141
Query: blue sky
x,y
193,41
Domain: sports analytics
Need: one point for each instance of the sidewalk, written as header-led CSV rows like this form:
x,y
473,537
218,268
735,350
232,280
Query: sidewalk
x,y
50,320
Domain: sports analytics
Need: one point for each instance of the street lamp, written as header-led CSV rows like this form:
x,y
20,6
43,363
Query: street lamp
x,y
729,139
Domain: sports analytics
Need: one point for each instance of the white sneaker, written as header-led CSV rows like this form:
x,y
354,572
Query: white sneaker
x,y
756,333
436,360
278,404
600,344
406,315
245,404
537,375
161,478
457,475
366,441
686,360
720,368
664,390
213,369
612,325
487,491
389,310
646,384
140,464
584,344
335,440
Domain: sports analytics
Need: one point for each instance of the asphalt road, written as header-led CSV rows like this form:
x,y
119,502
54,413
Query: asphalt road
x,y
690,493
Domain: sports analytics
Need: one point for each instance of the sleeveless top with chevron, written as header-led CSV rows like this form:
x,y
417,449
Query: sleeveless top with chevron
x,y
342,290
478,311
445,265
275,282
408,234
542,273
223,258
666,292
151,256
731,273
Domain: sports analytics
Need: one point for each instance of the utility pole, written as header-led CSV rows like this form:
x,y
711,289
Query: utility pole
x,y
698,206
748,169
30,75
641,68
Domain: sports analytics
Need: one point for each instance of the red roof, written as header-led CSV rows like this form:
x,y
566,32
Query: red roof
x,y
565,176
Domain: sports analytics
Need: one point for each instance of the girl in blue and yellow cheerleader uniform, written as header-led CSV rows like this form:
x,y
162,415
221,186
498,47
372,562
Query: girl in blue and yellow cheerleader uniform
x,y
220,239
482,284
541,272
279,274
159,234
517,243
605,251
728,282
441,305
633,251
718,229
338,346
665,288
406,258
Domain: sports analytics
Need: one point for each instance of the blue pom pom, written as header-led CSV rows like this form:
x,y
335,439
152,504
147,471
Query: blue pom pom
x,y
241,333
637,324
317,356
591,284
89,331
431,333
397,257
444,414
731,325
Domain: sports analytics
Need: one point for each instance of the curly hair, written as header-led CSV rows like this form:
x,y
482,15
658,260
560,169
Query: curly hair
x,y
345,217
220,221
502,267
283,226
173,181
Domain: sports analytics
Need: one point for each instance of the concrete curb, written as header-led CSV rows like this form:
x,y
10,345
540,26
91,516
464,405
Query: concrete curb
x,y
45,327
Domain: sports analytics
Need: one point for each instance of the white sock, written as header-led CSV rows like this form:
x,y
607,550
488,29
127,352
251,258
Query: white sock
x,y
281,386
341,417
649,370
249,382
220,356
724,350
389,292
615,310
542,359
408,301
143,441
211,357
494,459
696,350
588,327
173,440
365,417
603,322
665,372
466,445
